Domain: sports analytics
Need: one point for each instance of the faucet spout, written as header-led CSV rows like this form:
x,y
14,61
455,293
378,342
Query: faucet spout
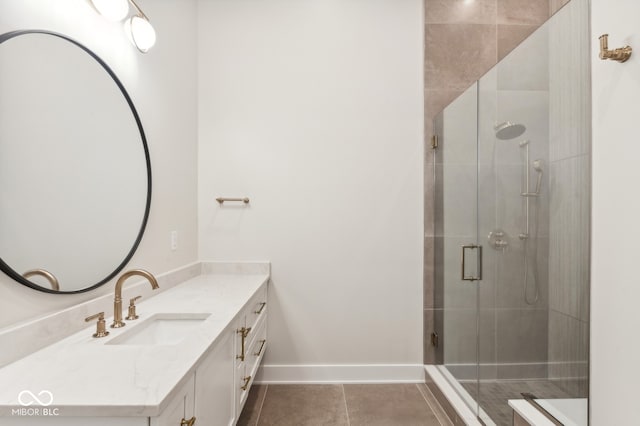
x,y
55,285
117,301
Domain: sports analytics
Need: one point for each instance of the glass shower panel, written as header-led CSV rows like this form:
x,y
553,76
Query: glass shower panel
x,y
513,176
533,219
455,226
513,134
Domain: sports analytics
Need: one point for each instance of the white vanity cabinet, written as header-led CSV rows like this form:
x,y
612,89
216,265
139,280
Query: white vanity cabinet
x,y
214,403
207,398
180,408
251,340
213,388
222,380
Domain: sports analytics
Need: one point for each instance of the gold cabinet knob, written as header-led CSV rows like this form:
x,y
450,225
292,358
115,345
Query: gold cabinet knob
x,y
101,325
190,422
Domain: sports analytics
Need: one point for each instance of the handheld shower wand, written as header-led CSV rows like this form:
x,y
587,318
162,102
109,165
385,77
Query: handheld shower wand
x,y
537,166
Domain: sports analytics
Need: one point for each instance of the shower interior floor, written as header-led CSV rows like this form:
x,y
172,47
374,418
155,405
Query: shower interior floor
x,y
494,395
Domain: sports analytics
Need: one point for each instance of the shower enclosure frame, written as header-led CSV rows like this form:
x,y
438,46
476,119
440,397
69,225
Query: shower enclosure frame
x,y
559,158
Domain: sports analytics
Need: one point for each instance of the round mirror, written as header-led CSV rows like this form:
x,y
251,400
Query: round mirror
x,y
75,174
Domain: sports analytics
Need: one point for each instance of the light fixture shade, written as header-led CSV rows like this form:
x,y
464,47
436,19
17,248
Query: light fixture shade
x,y
114,10
142,33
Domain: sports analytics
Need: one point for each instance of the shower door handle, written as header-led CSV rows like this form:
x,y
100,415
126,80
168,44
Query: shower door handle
x,y
478,277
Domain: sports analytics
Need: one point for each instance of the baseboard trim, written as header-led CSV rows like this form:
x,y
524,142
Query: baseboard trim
x,y
366,373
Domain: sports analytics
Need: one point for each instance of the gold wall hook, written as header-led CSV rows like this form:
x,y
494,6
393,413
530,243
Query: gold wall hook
x,y
621,54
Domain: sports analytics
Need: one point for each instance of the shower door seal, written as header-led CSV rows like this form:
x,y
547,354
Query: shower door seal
x,y
466,247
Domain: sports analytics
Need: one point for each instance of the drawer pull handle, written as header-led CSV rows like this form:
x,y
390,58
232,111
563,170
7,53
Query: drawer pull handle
x,y
244,332
261,347
246,383
190,422
259,311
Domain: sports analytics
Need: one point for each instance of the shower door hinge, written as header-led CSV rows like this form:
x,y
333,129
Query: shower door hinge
x,y
435,339
434,141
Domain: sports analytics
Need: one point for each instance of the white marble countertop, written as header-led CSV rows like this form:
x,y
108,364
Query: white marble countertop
x,y
87,377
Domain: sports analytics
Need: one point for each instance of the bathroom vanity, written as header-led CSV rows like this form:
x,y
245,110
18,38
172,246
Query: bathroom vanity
x,y
189,359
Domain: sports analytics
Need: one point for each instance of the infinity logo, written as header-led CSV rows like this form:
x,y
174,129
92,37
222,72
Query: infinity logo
x,y
27,398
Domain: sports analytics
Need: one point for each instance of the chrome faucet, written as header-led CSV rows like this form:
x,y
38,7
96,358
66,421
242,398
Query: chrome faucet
x,y
117,301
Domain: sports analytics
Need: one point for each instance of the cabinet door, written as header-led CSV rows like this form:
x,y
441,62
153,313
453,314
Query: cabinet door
x,y
214,385
180,408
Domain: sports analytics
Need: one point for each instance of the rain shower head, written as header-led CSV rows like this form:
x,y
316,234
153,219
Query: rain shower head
x,y
508,130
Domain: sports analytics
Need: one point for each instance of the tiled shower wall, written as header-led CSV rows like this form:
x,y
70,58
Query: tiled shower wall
x,y
463,40
569,223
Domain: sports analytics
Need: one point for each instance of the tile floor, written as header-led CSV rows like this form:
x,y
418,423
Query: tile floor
x,y
342,405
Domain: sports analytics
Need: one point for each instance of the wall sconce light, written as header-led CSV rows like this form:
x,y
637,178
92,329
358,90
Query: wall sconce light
x,y
142,33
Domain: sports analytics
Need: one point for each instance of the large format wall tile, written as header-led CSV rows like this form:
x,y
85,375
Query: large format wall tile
x,y
569,353
436,101
521,335
569,237
460,11
459,336
523,12
510,36
458,54
555,5
569,74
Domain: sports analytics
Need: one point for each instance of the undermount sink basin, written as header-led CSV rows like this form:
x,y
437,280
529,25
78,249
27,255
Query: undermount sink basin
x,y
161,329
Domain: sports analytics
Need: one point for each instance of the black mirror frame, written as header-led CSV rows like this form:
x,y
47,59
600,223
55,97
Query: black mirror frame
x,y
4,266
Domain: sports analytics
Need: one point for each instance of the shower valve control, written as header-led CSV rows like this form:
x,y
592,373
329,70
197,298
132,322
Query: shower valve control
x,y
498,239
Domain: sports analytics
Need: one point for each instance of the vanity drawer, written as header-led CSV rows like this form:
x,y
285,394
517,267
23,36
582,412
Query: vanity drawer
x,y
251,336
246,370
256,349
257,307
251,319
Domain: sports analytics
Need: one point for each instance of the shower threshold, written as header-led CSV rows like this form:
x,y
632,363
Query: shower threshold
x,y
500,398
566,411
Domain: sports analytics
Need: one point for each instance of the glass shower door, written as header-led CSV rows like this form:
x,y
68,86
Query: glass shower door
x,y
533,221
512,174
457,255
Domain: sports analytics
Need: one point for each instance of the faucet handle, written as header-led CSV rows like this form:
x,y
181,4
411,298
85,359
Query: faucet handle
x,y
101,330
132,309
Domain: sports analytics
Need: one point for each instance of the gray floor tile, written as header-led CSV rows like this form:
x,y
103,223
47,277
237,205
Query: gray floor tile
x,y
251,411
435,406
388,405
304,405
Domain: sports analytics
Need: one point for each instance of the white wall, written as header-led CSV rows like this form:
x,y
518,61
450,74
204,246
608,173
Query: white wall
x,y
162,85
314,110
615,291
